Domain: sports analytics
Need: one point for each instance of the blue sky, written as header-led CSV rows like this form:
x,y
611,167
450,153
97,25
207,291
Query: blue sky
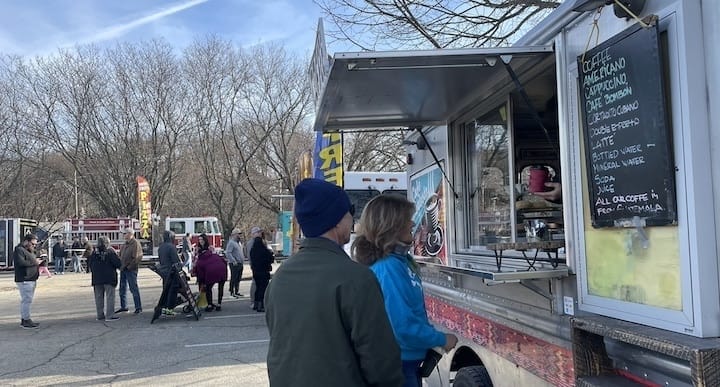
x,y
40,27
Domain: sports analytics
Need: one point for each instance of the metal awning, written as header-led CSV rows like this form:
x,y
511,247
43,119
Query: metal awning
x,y
394,89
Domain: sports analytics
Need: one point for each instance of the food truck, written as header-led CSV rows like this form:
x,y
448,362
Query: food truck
x,y
614,106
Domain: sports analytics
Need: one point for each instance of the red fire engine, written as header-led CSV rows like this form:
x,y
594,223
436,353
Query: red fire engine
x,y
209,225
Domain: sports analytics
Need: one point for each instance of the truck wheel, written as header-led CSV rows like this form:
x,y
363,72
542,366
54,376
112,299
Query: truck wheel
x,y
475,376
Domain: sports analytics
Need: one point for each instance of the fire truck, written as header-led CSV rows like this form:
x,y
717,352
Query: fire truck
x,y
195,226
12,231
613,106
93,228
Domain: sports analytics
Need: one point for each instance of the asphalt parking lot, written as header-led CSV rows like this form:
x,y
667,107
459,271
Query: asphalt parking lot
x,y
72,348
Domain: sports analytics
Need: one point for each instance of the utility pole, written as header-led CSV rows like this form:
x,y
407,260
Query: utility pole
x,y
76,195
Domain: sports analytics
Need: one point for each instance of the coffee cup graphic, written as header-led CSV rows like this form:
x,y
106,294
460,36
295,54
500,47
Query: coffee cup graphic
x,y
434,241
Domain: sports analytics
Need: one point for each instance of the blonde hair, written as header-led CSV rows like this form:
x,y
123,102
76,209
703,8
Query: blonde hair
x,y
381,222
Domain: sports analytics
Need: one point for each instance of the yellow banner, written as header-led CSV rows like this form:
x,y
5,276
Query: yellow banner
x,y
328,161
145,208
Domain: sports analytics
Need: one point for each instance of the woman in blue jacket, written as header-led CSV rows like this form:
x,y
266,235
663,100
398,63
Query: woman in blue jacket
x,y
383,242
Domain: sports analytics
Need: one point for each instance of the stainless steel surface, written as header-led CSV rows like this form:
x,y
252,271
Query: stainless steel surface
x,y
517,274
413,88
640,362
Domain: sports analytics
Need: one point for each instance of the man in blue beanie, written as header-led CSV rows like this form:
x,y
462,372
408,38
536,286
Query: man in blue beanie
x,y
325,313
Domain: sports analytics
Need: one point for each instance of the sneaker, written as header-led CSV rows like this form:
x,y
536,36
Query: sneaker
x,y
121,310
28,324
100,318
218,308
112,318
209,308
168,312
138,311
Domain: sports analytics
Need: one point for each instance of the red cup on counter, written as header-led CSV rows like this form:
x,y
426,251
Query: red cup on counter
x,y
538,177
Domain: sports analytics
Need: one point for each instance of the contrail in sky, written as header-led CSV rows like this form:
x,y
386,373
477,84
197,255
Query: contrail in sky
x,y
120,29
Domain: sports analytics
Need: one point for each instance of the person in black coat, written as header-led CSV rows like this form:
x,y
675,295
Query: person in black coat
x,y
261,260
104,263
168,256
58,252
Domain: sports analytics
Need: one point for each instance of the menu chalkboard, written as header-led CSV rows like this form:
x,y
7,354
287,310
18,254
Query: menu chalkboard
x,y
628,145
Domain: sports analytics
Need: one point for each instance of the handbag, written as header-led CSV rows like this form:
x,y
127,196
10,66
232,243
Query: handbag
x,y
202,300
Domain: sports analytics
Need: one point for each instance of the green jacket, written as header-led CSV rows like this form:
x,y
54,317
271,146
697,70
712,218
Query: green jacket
x,y
327,322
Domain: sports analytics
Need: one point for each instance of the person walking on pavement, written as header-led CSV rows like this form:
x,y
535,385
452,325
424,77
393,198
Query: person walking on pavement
x,y
58,253
168,256
261,260
236,258
130,257
26,275
254,233
103,265
43,268
325,313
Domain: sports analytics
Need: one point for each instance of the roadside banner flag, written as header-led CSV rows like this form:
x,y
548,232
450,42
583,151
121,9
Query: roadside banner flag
x,y
145,208
328,160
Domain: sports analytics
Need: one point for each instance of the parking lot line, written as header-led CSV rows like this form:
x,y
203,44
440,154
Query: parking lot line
x,y
235,315
227,343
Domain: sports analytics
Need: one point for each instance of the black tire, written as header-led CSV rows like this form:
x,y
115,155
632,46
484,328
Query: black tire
x,y
475,376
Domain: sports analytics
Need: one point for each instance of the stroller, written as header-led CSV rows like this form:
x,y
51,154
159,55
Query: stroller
x,y
176,276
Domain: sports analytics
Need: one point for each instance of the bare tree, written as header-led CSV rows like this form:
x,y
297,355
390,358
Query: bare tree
x,y
374,151
249,119
11,149
24,188
277,111
392,24
216,72
112,116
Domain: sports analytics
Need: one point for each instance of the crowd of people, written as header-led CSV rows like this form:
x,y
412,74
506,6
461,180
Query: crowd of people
x,y
356,321
110,268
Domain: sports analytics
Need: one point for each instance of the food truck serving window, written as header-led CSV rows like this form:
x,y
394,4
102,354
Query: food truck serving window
x,y
504,145
488,179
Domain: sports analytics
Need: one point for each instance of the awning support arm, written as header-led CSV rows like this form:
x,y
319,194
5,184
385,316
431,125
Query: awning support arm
x,y
521,89
437,162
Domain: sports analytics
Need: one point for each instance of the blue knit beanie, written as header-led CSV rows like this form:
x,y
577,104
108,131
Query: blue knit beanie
x,y
319,206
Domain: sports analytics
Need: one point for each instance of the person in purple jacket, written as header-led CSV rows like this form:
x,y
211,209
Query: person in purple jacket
x,y
383,242
210,269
